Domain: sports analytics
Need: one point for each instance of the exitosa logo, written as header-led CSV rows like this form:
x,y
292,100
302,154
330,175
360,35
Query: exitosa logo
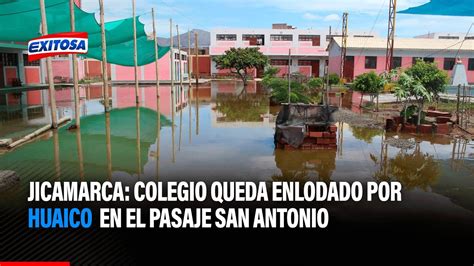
x,y
57,44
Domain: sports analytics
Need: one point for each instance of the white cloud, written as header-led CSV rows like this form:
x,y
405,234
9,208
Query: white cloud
x,y
310,16
332,17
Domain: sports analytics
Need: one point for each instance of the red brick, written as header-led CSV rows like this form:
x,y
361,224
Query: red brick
x,y
425,129
333,128
306,146
443,119
431,113
332,141
329,135
323,141
442,129
408,128
316,134
289,147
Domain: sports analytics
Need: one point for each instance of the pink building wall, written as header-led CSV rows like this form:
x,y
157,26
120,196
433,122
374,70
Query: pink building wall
x,y
62,68
359,65
149,71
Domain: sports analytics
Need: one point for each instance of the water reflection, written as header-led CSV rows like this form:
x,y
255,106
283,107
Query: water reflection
x,y
412,169
305,166
230,132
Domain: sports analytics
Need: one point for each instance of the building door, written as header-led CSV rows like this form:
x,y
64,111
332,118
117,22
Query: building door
x,y
315,68
349,68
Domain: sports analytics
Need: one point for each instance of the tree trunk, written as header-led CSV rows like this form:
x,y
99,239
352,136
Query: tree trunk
x,y
377,105
361,98
420,110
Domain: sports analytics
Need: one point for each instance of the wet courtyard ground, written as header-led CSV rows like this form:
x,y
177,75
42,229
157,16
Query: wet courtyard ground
x,y
224,132
221,132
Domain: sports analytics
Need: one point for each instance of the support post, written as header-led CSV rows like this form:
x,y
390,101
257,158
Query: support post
x,y
105,76
157,70
135,56
49,68
196,52
289,75
77,108
189,61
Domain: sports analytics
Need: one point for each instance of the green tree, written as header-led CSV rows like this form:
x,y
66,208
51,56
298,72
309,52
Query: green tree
x,y
333,79
368,83
240,60
315,83
422,82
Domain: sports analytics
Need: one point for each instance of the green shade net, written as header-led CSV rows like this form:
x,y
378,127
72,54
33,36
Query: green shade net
x,y
20,21
39,154
444,8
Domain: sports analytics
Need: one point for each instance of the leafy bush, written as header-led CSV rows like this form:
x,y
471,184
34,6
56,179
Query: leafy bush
x,y
280,91
333,79
315,83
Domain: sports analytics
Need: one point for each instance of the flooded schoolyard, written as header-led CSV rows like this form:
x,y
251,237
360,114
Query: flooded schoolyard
x,y
221,131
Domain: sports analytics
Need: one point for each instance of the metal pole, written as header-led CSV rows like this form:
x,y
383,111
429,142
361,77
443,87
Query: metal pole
x,y
289,76
180,61
157,73
196,52
105,77
457,104
189,61
158,124
326,100
74,69
135,58
172,70
49,68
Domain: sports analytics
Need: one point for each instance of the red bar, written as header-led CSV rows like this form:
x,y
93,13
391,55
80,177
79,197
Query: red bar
x,y
34,263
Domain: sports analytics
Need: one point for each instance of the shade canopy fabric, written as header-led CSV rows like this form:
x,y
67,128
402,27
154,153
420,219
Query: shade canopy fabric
x,y
20,21
444,8
123,141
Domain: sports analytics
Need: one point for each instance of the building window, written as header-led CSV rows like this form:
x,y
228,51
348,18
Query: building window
x,y
370,62
183,57
428,59
281,37
364,36
8,59
329,37
226,37
469,38
397,62
470,64
315,39
449,63
305,62
413,61
254,39
279,62
28,63
449,37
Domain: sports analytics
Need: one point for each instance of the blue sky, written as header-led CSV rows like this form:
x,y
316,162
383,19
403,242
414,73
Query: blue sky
x,y
364,15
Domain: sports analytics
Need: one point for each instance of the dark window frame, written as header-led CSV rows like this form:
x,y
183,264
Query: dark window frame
x,y
314,38
279,62
281,37
470,64
226,37
371,62
448,63
397,62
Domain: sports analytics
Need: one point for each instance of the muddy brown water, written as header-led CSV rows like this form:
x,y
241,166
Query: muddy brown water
x,y
223,132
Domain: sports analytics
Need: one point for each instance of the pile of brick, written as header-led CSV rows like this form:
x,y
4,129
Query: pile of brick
x,y
316,138
437,122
